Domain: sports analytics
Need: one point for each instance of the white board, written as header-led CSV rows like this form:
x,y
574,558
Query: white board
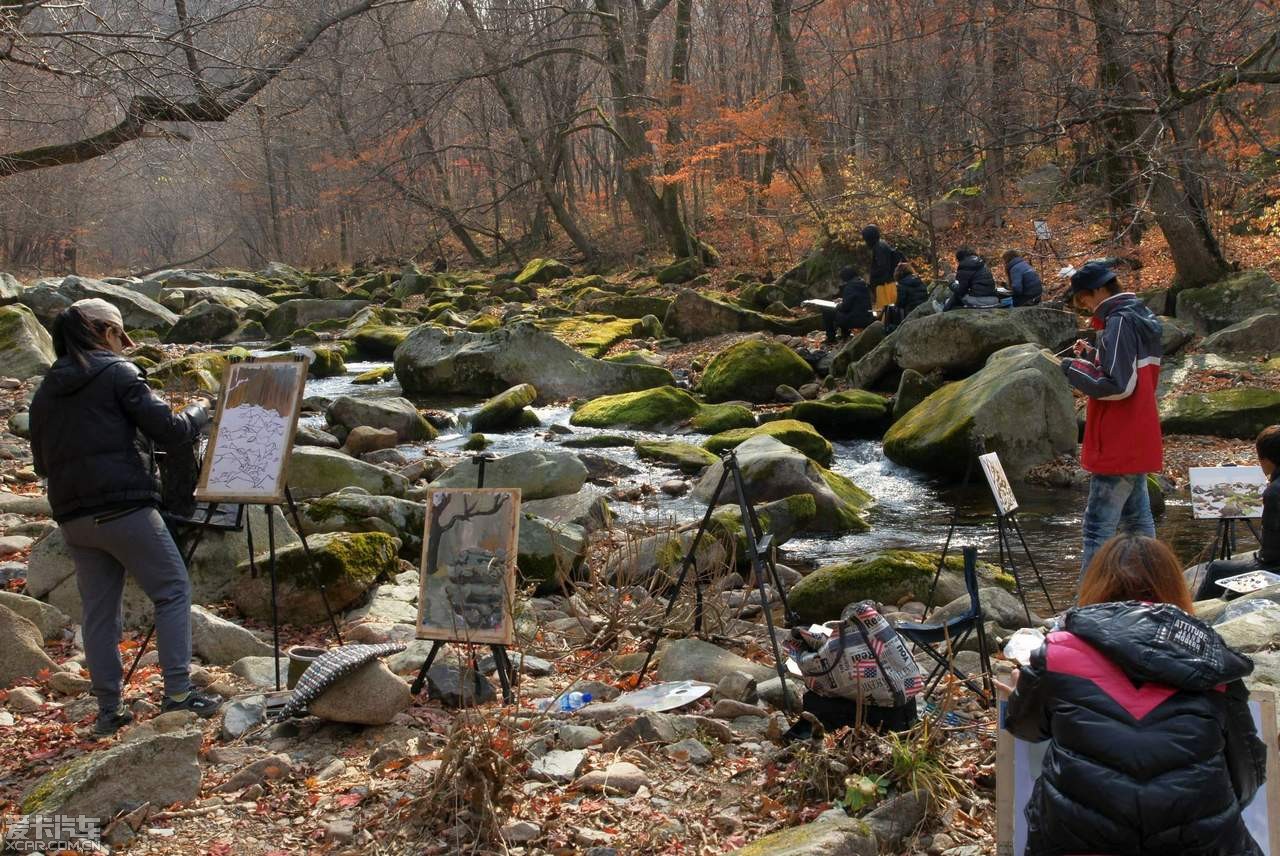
x,y
1006,501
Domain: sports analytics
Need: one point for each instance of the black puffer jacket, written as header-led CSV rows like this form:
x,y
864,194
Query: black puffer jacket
x,y
974,279
911,293
85,425
1153,748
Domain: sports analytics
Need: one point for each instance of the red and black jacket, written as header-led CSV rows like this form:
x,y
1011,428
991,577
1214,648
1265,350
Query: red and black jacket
x,y
1153,750
1120,376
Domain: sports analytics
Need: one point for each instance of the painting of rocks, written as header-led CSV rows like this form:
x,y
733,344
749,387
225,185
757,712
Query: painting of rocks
x,y
468,565
1219,493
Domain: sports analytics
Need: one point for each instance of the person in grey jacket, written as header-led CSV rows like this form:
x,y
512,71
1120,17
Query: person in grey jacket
x,y
94,420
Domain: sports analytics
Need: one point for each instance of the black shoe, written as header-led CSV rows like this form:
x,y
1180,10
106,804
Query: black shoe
x,y
203,706
109,723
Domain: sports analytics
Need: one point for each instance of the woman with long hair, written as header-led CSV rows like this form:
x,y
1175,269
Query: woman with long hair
x,y
94,420
1152,749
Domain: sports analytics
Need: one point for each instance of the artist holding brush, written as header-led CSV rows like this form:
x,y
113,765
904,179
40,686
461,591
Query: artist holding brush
x,y
94,421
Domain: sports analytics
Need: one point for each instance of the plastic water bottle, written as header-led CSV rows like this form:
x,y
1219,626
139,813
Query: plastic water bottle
x,y
570,702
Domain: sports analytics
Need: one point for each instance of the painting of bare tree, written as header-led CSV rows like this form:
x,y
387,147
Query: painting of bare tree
x,y
469,565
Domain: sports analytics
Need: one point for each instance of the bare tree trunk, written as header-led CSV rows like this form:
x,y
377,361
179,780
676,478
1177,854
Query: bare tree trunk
x,y
273,196
793,83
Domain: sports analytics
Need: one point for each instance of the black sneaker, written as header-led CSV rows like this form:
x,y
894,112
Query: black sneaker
x,y
203,706
109,723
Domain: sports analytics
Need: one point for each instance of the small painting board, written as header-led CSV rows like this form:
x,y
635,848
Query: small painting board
x,y
1042,230
248,456
1018,765
1006,502
1227,493
468,574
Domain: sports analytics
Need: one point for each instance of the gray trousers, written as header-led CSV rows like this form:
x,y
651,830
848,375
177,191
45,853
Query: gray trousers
x,y
140,543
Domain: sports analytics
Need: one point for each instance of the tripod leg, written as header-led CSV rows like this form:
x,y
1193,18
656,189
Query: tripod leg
x,y
505,677
1006,554
770,564
275,613
419,681
142,649
1017,528
942,560
311,564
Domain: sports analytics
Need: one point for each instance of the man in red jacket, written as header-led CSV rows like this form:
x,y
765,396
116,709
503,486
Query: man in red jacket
x,y
1122,440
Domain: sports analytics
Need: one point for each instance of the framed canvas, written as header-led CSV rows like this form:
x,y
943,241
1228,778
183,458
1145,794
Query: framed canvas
x,y
247,460
1018,766
1006,502
1227,493
468,577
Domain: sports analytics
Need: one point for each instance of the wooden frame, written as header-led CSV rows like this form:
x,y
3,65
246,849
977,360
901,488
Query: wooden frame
x,y
470,541
1008,810
1001,490
284,386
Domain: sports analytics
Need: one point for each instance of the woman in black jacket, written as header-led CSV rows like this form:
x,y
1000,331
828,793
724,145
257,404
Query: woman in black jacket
x,y
1153,750
911,293
1267,558
93,421
853,309
974,286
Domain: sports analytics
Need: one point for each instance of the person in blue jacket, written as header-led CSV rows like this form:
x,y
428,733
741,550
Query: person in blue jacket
x,y
1024,282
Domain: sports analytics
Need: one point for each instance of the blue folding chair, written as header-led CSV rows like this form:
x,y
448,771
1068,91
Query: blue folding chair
x,y
939,641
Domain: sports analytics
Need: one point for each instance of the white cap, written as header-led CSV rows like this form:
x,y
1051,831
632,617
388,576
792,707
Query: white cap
x,y
97,309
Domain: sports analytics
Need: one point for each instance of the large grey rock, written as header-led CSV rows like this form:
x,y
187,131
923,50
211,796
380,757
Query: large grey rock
x,y
433,361
360,512
10,288
45,301
49,620
1174,335
204,322
998,605
550,552
220,642
694,316
958,343
1253,631
371,695
773,470
696,660
21,651
540,474
459,688
316,471
587,508
239,299
503,412
641,560
1235,299
1259,334
138,311
295,314
26,349
160,769
1020,404
398,414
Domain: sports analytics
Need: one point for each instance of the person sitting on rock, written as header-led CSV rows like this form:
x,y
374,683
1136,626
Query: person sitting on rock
x,y
1152,747
974,286
1267,558
911,293
1024,282
853,311
94,421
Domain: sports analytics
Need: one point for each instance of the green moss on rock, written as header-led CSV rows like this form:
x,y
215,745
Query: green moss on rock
x,y
542,271
598,441
841,415
594,335
328,363
484,323
1239,413
373,376
718,418
646,409
751,370
688,457
797,435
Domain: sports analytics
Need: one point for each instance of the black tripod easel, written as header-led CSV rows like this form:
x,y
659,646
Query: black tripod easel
x,y
506,671
1225,537
760,555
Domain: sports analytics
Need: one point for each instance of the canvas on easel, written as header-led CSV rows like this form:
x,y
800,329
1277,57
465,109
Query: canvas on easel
x,y
1226,493
248,456
469,565
1006,501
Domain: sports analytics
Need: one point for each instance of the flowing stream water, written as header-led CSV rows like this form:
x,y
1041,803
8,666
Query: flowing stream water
x,y
912,511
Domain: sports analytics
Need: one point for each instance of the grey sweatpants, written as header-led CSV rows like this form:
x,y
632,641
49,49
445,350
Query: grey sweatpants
x,y
140,543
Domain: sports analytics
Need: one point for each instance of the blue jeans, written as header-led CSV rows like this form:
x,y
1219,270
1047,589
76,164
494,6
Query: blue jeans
x,y
1116,504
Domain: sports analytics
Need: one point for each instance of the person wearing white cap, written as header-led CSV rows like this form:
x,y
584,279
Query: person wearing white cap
x,y
94,424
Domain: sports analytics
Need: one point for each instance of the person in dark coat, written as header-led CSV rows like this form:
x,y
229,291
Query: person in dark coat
x,y
1267,558
974,286
884,259
94,421
1153,750
853,311
911,293
1024,282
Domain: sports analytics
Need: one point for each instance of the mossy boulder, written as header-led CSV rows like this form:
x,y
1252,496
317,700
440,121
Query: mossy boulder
x,y
782,518
360,512
379,341
204,322
959,343
294,314
502,412
773,470
680,272
685,456
836,836
540,474
624,305
599,441
375,376
201,372
889,577
913,388
346,564
327,363
648,409
542,271
638,357
796,434
1235,299
1258,334
594,335
694,315
398,414
843,415
484,323
751,370
1020,404
26,348
1239,413
549,553
317,471
138,311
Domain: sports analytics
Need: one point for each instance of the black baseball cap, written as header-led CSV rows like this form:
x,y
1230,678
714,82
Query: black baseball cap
x,y
1090,277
